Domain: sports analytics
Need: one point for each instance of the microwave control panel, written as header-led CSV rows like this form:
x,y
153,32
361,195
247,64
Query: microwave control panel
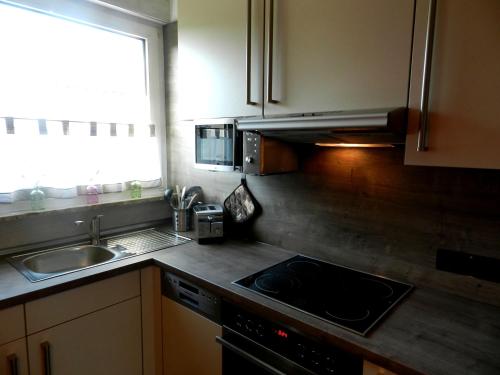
x,y
251,153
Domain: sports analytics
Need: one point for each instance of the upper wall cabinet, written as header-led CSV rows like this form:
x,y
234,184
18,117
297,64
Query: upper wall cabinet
x,y
331,55
215,39
460,126
254,57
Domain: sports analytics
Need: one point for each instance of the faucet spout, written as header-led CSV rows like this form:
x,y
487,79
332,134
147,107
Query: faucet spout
x,y
95,230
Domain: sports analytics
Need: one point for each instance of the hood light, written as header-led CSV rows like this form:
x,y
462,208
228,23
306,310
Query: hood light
x,y
357,145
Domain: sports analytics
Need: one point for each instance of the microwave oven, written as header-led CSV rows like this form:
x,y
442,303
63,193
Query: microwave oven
x,y
217,145
220,146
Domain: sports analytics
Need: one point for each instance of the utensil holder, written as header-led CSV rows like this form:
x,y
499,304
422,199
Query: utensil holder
x,y
182,220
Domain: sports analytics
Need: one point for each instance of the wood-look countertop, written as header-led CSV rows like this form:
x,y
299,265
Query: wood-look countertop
x,y
430,332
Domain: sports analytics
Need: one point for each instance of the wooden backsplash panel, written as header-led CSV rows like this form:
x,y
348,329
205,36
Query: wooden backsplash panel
x,y
364,208
360,207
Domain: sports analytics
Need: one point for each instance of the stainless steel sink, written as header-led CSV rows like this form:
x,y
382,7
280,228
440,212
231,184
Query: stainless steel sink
x,y
54,262
68,259
45,264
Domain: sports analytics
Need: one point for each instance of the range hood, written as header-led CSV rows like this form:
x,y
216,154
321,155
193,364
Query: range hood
x,y
370,127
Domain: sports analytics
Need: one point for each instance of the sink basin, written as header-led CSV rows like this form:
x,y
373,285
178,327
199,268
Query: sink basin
x,y
68,259
55,262
45,264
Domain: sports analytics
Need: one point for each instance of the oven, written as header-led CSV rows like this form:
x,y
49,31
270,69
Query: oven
x,y
255,345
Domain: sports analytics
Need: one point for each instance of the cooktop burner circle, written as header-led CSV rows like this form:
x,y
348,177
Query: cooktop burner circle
x,y
276,283
347,314
304,267
376,289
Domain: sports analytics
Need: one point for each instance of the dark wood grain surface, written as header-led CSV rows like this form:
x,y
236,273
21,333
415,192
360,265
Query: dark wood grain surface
x,y
430,332
361,206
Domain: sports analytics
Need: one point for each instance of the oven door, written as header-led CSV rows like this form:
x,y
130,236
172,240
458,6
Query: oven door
x,y
243,356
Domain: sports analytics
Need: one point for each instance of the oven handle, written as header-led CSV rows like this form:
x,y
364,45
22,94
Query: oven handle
x,y
226,344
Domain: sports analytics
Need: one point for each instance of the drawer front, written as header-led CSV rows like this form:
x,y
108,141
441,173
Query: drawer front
x,y
61,307
12,323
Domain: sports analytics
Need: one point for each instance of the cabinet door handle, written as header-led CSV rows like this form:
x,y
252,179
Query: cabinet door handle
x,y
13,364
270,55
46,357
423,130
249,54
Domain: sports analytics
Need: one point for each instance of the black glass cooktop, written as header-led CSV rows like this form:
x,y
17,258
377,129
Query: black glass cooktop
x,y
345,297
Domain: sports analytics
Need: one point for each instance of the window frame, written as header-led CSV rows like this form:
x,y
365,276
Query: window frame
x,y
113,20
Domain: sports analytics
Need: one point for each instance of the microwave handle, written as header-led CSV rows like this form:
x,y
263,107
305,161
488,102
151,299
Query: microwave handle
x,y
249,55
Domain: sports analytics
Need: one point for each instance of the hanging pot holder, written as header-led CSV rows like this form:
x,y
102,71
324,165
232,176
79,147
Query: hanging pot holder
x,y
241,204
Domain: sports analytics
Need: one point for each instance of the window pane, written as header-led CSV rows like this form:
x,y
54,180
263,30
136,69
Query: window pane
x,y
74,107
57,69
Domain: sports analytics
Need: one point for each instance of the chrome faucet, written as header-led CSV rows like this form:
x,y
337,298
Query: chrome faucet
x,y
95,230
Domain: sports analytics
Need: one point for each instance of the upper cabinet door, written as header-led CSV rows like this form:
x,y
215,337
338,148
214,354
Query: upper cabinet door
x,y
329,55
464,92
214,80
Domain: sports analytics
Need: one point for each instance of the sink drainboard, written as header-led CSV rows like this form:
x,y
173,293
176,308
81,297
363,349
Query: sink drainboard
x,y
145,241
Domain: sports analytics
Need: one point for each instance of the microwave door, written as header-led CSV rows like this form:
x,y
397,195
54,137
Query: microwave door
x,y
215,146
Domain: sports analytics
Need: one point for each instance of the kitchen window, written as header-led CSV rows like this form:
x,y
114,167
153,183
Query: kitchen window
x,y
81,102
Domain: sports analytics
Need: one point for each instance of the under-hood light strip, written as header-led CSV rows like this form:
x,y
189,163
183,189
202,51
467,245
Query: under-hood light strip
x,y
355,145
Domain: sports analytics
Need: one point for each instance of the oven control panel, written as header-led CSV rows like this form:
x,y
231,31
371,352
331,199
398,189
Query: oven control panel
x,y
320,358
191,296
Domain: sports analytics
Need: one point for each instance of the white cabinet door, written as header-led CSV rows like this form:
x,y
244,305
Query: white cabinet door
x,y
212,58
464,111
189,345
333,55
105,342
12,324
13,358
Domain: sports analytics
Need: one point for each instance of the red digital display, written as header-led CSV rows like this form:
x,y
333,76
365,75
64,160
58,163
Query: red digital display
x,y
281,333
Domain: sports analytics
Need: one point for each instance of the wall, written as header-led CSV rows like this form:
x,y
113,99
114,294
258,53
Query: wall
x,y
361,207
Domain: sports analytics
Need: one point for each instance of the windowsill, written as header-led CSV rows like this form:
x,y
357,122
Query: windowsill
x,y
22,209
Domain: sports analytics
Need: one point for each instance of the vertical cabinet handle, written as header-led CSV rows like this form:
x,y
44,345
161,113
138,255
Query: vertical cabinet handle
x,y
249,54
423,130
13,364
46,357
270,55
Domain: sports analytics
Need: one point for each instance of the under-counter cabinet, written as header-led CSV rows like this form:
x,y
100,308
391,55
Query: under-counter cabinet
x,y
13,358
463,127
93,329
189,341
241,58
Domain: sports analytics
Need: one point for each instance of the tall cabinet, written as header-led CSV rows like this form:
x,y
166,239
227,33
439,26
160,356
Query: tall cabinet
x,y
464,91
269,57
